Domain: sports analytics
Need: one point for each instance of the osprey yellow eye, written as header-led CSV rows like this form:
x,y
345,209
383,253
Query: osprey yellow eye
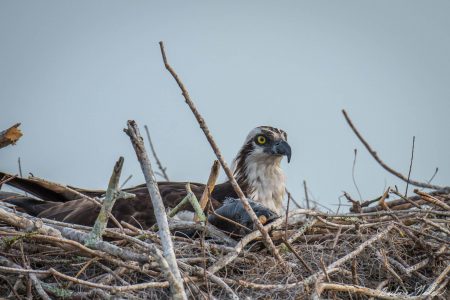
x,y
261,140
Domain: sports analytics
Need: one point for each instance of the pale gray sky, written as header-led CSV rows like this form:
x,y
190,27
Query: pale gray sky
x,y
73,72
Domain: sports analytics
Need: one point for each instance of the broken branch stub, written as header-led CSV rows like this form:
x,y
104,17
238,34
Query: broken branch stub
x,y
10,136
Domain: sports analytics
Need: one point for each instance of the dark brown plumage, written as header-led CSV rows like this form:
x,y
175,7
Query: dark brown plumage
x,y
256,169
59,204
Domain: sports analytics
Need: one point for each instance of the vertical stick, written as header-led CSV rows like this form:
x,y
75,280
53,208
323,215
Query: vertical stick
x,y
176,286
158,162
410,166
209,186
107,205
306,194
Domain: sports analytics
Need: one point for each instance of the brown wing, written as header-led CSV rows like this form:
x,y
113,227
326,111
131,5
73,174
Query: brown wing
x,y
57,202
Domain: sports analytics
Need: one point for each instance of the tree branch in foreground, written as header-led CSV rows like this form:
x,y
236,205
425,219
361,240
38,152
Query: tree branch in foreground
x,y
176,286
266,238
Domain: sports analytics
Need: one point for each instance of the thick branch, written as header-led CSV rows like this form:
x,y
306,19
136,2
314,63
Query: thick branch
x,y
158,209
107,205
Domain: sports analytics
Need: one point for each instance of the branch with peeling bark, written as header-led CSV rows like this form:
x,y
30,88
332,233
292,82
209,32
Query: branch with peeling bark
x,y
10,136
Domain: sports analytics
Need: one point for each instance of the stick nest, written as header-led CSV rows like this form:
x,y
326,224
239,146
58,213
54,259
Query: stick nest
x,y
393,250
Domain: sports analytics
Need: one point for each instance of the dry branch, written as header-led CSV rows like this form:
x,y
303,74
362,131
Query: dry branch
x,y
355,289
158,208
266,238
385,166
108,203
158,162
213,175
10,135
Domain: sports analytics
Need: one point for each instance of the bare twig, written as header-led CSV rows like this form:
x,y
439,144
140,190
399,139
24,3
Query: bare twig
x,y
266,238
353,173
292,199
386,167
410,166
306,194
126,181
303,262
158,162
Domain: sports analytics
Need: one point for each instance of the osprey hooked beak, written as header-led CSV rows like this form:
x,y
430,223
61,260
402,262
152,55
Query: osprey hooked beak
x,y
282,148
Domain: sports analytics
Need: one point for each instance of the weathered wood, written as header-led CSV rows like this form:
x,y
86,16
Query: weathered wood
x,y
10,136
107,205
176,285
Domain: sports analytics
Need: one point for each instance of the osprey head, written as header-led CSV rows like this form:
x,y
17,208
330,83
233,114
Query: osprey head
x,y
267,143
257,166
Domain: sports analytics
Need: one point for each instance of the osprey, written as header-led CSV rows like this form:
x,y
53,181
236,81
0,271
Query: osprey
x,y
256,169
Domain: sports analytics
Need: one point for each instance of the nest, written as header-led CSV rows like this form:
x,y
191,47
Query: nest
x,y
388,251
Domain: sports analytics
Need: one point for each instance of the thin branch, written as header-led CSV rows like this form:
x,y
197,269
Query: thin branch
x,y
158,162
306,194
386,167
410,166
353,174
266,238
126,181
292,199
303,262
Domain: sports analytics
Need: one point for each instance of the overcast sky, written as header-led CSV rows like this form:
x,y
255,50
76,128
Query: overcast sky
x,y
73,73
